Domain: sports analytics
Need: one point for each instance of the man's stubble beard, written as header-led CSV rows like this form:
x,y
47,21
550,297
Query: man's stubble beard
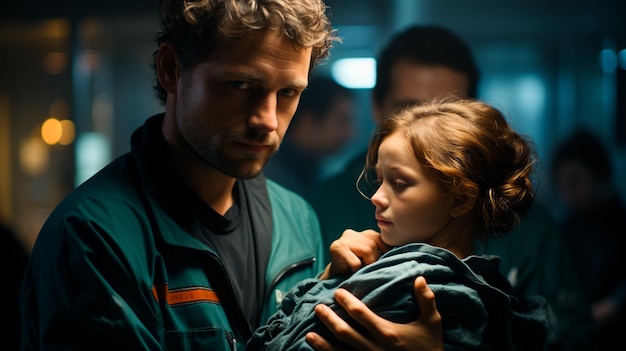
x,y
216,156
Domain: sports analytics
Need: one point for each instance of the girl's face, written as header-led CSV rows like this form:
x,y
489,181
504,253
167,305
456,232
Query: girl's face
x,y
410,203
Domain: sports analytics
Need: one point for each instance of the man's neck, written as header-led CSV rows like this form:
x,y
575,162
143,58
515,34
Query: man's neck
x,y
209,184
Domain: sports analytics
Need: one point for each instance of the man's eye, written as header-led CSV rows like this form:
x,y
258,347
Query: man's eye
x,y
288,92
239,84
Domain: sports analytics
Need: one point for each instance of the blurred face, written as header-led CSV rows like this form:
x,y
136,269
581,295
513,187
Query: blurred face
x,y
414,82
335,129
410,205
233,108
578,188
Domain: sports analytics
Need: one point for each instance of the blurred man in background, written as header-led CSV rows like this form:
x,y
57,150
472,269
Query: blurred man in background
x,y
592,223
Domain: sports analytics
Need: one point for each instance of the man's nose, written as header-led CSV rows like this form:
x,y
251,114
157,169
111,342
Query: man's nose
x,y
264,116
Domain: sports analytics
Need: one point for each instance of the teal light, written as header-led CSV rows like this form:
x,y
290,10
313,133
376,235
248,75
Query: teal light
x,y
355,73
608,60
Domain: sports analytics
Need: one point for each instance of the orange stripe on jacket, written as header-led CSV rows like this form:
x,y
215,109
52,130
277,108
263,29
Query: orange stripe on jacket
x,y
186,295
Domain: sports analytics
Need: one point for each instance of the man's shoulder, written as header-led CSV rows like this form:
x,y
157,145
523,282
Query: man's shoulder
x,y
113,180
105,196
281,194
108,204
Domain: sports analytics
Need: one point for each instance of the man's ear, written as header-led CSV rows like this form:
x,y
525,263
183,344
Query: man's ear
x,y
167,67
462,205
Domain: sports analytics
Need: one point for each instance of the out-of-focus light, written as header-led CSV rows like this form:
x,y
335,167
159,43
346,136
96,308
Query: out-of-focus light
x,y
621,58
68,132
55,62
608,60
89,62
51,131
102,114
33,156
355,73
56,28
531,93
61,132
93,151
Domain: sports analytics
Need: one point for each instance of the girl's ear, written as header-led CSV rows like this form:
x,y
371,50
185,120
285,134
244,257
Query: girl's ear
x,y
167,67
462,205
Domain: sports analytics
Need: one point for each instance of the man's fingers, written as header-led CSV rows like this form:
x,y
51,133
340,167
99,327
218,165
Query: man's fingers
x,y
426,301
342,330
317,342
358,310
424,333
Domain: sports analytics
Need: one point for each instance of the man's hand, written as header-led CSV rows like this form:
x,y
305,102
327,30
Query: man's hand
x,y
424,334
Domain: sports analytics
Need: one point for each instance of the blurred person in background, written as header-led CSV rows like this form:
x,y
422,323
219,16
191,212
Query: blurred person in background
x,y
13,260
418,64
592,223
322,126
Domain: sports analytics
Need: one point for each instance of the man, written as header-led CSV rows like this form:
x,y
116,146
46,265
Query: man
x,y
13,258
181,244
321,127
592,211
425,62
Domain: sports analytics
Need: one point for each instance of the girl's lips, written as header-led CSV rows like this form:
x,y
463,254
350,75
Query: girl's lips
x,y
381,220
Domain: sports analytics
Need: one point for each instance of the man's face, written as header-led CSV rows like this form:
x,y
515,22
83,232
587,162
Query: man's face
x,y
414,82
578,187
234,107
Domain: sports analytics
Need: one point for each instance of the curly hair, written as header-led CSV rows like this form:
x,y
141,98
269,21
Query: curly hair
x,y
472,150
194,27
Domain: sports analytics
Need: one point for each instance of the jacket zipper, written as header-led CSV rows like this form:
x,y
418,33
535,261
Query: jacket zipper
x,y
284,271
232,342
239,321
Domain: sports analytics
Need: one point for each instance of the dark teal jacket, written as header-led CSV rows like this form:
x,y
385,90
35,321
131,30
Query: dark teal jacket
x,y
117,265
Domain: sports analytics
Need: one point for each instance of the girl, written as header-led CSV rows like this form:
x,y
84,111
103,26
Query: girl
x,y
448,173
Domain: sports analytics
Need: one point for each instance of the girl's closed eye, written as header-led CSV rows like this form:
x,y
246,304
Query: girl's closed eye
x,y
399,185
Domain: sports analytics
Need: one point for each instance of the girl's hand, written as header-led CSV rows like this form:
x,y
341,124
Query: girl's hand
x,y
352,251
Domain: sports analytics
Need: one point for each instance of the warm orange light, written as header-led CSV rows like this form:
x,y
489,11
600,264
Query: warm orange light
x,y
51,131
55,62
33,156
68,132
